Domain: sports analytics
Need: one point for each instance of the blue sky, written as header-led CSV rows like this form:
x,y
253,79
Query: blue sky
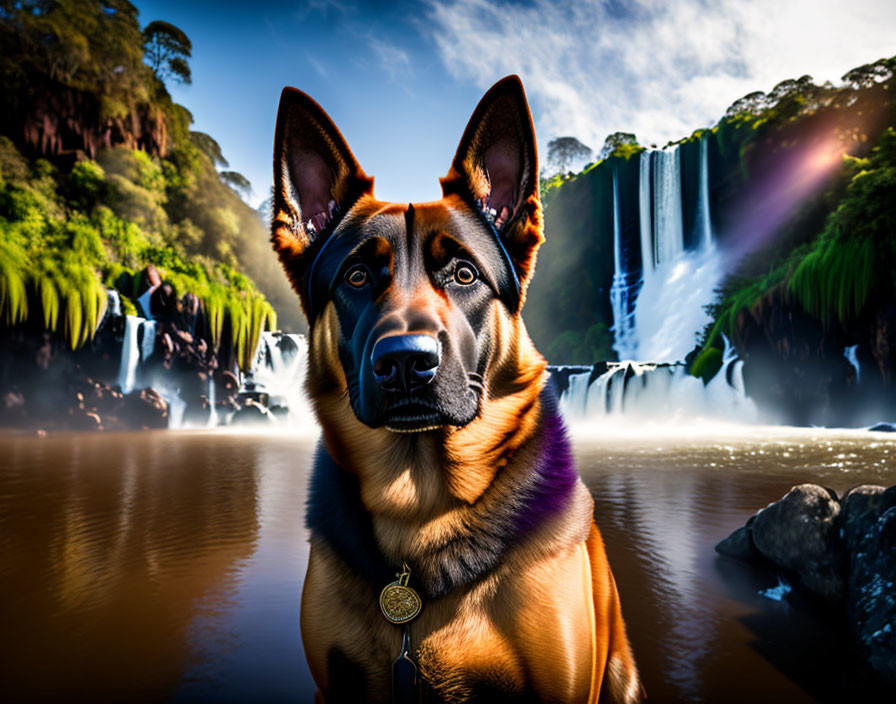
x,y
401,79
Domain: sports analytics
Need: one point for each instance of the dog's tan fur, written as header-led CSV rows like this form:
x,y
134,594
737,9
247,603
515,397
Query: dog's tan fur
x,y
546,623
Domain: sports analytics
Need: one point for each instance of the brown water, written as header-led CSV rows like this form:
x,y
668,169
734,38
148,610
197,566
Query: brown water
x,y
168,566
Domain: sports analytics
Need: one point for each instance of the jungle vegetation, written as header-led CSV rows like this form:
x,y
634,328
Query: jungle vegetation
x,y
832,254
101,175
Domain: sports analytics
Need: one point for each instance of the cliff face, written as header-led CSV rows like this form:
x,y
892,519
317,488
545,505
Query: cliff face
x,y
64,122
801,197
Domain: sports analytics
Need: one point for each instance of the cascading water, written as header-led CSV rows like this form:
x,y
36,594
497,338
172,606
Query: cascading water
x,y
278,370
659,392
644,206
148,342
704,225
668,314
677,283
130,354
625,342
213,411
668,235
113,309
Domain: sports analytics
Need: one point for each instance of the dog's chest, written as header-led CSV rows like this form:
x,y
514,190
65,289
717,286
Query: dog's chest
x,y
461,652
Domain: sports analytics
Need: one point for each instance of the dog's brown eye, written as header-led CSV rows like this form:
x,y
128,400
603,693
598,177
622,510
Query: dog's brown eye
x,y
356,276
465,274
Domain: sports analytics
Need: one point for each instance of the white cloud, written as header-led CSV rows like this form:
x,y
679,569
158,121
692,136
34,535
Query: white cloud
x,y
656,68
391,59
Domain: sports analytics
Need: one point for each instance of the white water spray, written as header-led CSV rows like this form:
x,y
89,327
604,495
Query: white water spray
x,y
677,284
130,355
279,368
659,393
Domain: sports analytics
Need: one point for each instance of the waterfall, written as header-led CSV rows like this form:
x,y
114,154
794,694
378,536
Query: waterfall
x,y
676,283
663,393
703,225
113,309
668,237
130,355
625,342
148,343
644,205
851,356
278,369
176,405
213,411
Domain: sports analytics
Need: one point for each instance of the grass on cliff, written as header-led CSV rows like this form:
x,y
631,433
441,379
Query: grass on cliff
x,y
833,276
59,242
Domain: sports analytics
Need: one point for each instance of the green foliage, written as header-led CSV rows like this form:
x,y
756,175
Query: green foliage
x,y
621,144
78,75
833,276
707,364
237,182
13,277
572,347
82,42
208,146
86,185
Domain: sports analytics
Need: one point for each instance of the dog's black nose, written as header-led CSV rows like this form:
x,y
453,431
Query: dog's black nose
x,y
405,362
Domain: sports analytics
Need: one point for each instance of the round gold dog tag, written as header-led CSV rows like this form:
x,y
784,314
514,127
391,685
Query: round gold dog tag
x,y
398,602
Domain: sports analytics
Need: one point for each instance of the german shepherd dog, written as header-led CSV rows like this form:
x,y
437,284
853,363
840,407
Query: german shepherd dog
x,y
453,556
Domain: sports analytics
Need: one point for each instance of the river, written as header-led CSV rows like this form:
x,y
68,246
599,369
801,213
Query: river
x,y
168,565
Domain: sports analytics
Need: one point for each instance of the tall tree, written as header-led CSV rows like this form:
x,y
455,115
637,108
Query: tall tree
x,y
166,49
566,152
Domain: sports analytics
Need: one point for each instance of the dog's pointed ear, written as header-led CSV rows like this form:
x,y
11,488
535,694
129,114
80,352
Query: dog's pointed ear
x,y
316,180
496,166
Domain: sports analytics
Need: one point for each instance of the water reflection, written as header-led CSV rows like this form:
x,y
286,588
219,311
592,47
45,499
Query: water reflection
x,y
168,566
123,558
699,629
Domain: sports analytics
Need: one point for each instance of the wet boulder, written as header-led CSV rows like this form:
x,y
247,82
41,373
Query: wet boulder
x,y
144,409
871,599
860,508
801,532
739,544
253,413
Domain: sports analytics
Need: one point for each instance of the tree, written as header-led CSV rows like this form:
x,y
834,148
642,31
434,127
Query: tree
x,y
617,141
565,152
752,104
166,49
237,182
208,146
870,74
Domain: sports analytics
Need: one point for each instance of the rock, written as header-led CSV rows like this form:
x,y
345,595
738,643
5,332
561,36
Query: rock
x,y
800,532
739,545
860,508
163,302
149,278
253,413
871,599
144,409
883,428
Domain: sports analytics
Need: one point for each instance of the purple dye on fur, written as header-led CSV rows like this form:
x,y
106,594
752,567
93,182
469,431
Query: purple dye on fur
x,y
555,474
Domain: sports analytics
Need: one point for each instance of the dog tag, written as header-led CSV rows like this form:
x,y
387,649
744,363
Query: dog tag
x,y
405,685
398,602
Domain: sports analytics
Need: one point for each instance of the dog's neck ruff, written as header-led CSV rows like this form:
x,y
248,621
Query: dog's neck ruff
x,y
337,516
